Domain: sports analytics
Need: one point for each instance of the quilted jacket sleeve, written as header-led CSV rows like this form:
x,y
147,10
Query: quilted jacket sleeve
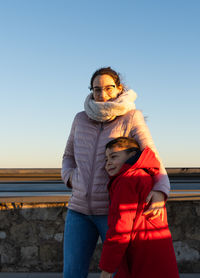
x,y
142,134
122,212
68,162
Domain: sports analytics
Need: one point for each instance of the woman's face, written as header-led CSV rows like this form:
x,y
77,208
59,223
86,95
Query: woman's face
x,y
104,88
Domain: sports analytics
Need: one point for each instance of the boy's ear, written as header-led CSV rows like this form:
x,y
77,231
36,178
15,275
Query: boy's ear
x,y
131,154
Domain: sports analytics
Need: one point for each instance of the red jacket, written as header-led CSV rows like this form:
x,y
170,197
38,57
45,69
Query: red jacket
x,y
135,245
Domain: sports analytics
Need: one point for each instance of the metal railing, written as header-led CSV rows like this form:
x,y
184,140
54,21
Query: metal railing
x,y
45,185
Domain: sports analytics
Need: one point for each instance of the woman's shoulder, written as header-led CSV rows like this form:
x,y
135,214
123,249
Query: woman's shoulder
x,y
136,112
136,116
133,115
80,115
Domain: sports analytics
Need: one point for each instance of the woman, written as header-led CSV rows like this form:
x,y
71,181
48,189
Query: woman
x,y
109,113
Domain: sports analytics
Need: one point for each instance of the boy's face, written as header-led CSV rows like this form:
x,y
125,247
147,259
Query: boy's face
x,y
115,158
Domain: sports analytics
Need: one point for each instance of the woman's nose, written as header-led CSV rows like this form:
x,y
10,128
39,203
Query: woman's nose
x,y
102,96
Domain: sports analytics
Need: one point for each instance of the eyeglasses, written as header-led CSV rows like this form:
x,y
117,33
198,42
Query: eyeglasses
x,y
108,89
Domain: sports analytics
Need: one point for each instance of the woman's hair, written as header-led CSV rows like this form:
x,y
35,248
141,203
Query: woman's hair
x,y
108,71
123,142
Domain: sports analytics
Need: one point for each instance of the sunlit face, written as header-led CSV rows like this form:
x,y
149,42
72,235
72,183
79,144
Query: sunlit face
x,y
104,88
115,158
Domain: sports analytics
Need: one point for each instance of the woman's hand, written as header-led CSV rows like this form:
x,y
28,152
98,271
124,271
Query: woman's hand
x,y
105,274
69,182
156,208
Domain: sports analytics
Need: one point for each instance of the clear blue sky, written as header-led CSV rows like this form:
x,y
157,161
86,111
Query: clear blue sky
x,y
49,50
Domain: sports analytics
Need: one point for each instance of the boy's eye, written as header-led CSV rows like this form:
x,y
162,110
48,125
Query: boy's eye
x,y
113,156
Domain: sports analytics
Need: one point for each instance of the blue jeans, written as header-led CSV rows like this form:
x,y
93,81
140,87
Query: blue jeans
x,y
80,238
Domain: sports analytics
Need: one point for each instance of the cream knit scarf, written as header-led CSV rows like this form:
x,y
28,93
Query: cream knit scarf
x,y
107,111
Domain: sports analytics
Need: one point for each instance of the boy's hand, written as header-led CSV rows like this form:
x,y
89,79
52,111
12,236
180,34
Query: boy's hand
x,y
105,274
156,208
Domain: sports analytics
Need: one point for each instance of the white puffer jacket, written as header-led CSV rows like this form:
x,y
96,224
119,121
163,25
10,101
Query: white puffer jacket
x,y
84,157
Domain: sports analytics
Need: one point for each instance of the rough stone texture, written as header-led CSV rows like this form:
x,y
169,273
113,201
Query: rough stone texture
x,y
2,235
185,253
31,236
184,223
29,255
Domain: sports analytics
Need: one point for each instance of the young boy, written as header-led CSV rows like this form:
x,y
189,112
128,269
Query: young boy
x,y
136,245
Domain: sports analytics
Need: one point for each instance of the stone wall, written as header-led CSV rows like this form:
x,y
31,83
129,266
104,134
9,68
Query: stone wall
x,y
31,236
184,223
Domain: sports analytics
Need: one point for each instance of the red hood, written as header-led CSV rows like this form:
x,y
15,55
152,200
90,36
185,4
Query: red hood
x,y
147,161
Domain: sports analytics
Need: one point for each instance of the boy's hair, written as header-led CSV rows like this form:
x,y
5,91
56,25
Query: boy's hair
x,y
123,142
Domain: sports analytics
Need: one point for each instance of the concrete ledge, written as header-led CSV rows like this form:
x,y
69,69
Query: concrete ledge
x,y
59,275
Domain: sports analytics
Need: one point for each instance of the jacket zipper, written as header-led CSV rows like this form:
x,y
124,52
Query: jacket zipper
x,y
93,167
